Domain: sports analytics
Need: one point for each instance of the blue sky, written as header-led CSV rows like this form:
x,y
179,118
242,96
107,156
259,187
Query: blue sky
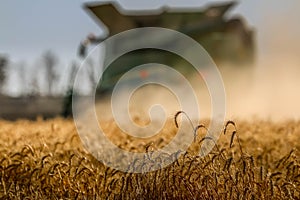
x,y
30,27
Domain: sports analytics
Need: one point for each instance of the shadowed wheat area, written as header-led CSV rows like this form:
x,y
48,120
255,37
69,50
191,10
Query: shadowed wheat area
x,y
252,160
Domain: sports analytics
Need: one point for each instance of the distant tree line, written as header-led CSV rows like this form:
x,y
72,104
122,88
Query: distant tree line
x,y
3,65
46,78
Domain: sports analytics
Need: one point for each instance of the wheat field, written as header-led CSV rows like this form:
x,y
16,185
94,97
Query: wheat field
x,y
44,159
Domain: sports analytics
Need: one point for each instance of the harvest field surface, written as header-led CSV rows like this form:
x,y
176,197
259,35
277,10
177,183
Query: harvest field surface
x,y
44,159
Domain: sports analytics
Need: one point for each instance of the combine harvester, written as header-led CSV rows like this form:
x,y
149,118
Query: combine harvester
x,y
226,39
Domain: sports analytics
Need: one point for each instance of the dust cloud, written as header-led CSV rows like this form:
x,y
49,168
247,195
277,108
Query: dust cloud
x,y
269,89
